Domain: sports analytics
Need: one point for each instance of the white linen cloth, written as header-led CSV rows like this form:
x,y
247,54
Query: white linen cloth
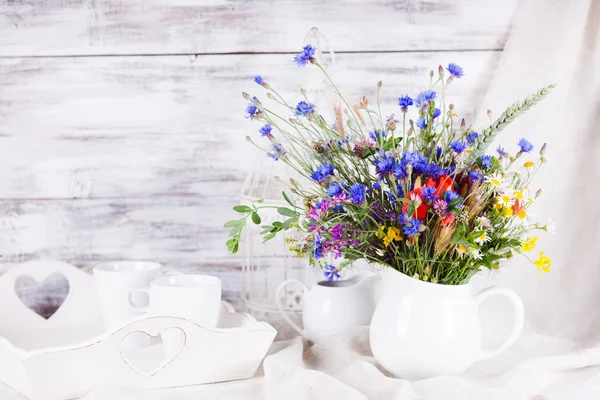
x,y
343,368
558,355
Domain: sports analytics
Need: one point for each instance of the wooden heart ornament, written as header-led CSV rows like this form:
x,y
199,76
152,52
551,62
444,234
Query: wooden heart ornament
x,y
44,298
147,354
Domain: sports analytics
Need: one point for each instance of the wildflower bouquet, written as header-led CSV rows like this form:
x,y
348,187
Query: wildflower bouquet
x,y
417,194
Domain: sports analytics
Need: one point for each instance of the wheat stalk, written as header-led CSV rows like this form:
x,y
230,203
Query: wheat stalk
x,y
489,134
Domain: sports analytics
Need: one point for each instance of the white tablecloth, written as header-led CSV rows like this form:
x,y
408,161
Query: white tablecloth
x,y
343,368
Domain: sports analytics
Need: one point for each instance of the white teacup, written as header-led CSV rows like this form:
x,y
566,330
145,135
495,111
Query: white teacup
x,y
194,297
118,286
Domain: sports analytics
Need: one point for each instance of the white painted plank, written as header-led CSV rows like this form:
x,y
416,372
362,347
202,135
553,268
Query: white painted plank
x,y
76,27
176,230
151,126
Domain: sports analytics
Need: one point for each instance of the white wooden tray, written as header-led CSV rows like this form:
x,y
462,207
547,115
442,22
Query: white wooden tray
x,y
69,355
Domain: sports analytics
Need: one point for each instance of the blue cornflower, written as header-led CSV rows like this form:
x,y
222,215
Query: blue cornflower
x,y
421,123
455,70
403,218
384,165
400,190
433,170
428,193
471,137
475,176
424,96
399,170
436,113
501,152
357,192
486,161
322,172
304,109
450,170
376,134
338,209
331,272
412,227
252,111
317,250
417,160
458,146
266,130
278,152
334,189
305,56
525,145
391,198
451,195
258,79
438,152
376,186
404,102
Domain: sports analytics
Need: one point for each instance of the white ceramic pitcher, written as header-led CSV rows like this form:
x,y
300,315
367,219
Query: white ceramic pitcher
x,y
335,307
421,329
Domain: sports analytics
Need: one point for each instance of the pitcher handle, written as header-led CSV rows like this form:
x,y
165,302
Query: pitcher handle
x,y
517,306
282,308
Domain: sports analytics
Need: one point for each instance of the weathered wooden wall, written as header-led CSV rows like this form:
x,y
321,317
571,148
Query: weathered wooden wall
x,y
121,123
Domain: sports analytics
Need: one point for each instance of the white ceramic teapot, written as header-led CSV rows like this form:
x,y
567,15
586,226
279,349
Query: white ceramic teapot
x,y
334,307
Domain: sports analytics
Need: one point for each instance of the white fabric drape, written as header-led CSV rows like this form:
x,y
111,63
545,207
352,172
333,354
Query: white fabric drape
x,y
558,355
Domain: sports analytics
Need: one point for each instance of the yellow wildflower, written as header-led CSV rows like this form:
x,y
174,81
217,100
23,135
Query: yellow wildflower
x,y
543,263
529,244
529,164
508,212
394,233
522,214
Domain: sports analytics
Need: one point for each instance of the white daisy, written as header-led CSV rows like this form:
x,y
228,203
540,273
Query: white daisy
x,y
496,180
483,238
505,199
476,254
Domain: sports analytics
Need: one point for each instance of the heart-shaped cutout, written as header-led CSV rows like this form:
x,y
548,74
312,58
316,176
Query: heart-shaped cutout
x,y
147,355
43,298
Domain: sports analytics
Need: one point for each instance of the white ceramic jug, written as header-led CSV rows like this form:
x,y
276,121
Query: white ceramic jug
x,y
335,307
421,329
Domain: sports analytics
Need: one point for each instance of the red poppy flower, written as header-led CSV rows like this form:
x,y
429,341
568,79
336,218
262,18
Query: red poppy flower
x,y
447,220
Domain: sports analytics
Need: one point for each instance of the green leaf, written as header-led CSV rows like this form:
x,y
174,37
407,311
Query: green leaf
x,y
475,235
236,230
256,218
287,212
285,196
392,143
268,237
242,209
277,224
368,152
232,223
233,245
287,223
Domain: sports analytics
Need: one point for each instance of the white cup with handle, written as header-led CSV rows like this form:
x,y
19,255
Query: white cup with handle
x,y
196,298
117,286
